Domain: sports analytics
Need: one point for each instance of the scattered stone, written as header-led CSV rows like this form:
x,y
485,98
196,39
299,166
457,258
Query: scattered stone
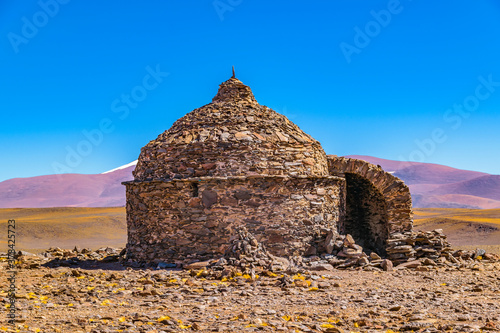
x,y
409,264
198,265
386,265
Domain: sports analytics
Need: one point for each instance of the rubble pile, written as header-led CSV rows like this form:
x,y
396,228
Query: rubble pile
x,y
57,257
408,246
245,251
427,249
247,255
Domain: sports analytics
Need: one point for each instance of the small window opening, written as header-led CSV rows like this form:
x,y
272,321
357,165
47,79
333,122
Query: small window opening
x,y
195,190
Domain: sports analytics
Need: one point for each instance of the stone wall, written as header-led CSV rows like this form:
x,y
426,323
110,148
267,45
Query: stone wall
x,y
377,202
195,218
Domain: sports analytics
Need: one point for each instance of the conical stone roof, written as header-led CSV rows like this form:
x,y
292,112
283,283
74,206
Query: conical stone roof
x,y
232,136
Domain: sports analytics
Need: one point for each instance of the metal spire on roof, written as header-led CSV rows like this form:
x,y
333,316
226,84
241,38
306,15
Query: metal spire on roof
x,y
234,76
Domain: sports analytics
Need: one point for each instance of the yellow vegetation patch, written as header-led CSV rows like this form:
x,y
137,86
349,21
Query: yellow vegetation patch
x,y
66,227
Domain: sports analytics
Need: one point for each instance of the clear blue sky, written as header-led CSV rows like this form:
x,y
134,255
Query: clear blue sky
x,y
396,81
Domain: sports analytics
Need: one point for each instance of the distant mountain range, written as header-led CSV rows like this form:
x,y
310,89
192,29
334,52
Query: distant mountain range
x,y
435,185
431,185
66,190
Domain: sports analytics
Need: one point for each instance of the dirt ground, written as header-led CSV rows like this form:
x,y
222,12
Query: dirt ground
x,y
108,297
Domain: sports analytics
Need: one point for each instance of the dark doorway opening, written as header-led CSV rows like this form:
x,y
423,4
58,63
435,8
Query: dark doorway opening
x,y
366,214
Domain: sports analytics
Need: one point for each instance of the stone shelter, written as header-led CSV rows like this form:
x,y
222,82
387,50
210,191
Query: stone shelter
x,y
234,163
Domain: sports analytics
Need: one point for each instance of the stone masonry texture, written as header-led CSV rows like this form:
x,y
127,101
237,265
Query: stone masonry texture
x,y
234,163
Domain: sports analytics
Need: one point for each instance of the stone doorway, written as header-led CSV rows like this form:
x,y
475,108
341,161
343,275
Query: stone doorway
x,y
378,204
366,214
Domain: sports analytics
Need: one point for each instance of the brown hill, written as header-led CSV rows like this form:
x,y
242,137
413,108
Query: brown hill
x,y
453,201
66,190
484,187
422,173
434,185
